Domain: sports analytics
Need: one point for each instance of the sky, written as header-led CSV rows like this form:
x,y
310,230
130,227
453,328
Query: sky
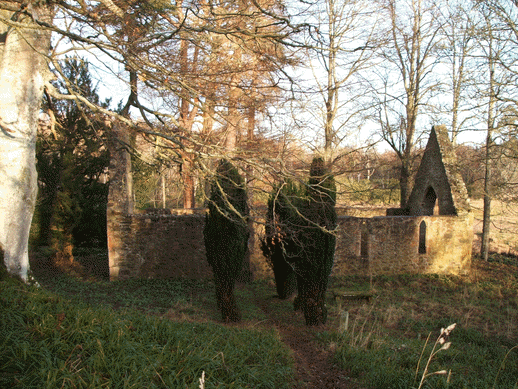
x,y
111,83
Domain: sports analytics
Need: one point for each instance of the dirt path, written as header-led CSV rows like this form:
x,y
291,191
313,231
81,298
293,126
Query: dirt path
x,y
314,366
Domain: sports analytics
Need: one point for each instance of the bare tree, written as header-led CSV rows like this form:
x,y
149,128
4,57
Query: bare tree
x,y
408,56
227,80
496,53
120,38
458,32
341,45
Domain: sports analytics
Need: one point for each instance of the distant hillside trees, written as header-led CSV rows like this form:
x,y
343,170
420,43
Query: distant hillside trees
x,y
226,235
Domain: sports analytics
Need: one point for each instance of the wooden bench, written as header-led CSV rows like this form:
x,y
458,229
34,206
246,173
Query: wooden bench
x,y
340,296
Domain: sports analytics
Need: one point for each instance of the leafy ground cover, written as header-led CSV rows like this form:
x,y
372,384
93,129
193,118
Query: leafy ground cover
x,y
73,337
82,331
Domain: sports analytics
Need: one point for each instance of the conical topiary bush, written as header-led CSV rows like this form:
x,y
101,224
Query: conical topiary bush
x,y
300,233
319,244
279,243
226,235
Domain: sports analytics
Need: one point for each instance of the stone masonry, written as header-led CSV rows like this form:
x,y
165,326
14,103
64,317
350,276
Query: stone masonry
x,y
434,234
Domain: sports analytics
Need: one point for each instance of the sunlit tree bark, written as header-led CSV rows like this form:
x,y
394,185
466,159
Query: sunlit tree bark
x,y
488,43
23,73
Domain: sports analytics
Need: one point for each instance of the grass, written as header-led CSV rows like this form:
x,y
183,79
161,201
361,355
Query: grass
x,y
148,296
177,299
89,333
383,343
49,341
475,361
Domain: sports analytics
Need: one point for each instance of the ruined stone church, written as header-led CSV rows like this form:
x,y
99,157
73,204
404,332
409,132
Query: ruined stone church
x,y
433,234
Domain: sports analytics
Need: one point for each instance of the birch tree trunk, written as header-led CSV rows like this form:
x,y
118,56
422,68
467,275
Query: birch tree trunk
x,y
23,73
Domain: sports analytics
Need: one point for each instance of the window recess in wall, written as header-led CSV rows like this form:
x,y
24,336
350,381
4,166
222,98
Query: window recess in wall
x,y
422,238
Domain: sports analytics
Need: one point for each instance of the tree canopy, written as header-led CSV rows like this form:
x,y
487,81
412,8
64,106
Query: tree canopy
x,y
263,83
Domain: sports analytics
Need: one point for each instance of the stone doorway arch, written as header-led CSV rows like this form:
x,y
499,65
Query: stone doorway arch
x,y
429,202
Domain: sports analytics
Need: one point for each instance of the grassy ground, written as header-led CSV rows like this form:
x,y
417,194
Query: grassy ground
x,y
385,339
85,332
504,224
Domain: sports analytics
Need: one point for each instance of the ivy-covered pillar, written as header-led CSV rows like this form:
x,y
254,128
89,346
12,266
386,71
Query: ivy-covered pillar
x,y
120,195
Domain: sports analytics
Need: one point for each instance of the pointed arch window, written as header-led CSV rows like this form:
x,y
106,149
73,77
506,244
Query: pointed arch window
x,y
429,202
422,238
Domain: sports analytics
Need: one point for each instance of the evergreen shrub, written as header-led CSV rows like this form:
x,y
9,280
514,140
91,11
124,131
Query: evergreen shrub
x,y
300,241
226,235
318,242
279,244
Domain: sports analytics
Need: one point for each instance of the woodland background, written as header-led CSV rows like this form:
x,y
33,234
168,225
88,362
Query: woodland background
x,y
269,85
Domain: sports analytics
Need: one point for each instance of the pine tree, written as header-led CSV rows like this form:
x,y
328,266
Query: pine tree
x,y
71,158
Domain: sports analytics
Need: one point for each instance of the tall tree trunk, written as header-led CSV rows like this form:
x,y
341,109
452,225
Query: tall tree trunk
x,y
232,121
332,88
187,168
404,182
486,219
164,198
208,114
186,121
189,188
23,73
486,223
246,271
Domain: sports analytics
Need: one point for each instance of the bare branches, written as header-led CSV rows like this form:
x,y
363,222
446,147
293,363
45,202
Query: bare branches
x,y
113,8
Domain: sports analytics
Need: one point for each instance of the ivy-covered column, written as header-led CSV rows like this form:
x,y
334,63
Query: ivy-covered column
x,y
120,195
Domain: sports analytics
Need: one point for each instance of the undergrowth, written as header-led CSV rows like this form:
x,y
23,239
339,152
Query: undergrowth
x,y
473,361
75,332
48,341
382,347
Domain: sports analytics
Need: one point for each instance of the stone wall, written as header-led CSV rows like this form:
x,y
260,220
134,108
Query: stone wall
x,y
399,244
162,245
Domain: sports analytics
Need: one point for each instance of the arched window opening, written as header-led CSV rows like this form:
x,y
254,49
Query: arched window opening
x,y
422,238
429,202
